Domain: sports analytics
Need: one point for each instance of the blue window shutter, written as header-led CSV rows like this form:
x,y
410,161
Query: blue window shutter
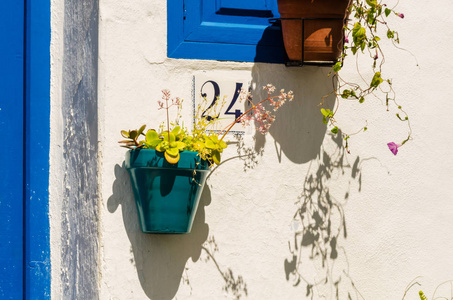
x,y
237,30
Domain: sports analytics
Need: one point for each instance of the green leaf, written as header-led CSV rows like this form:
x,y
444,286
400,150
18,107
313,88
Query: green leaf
x,y
337,67
422,296
387,12
377,80
154,143
365,129
334,130
168,137
345,94
172,152
222,144
176,130
372,3
124,133
210,144
141,129
325,112
160,147
180,145
361,33
171,159
356,28
151,135
172,137
127,142
214,138
133,134
361,100
390,34
216,157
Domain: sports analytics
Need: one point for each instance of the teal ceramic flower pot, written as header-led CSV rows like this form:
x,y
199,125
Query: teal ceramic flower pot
x,y
166,195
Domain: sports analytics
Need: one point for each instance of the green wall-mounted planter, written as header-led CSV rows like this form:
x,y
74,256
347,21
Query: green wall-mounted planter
x,y
166,195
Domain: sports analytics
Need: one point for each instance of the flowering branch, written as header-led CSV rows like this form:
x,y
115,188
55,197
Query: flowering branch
x,y
175,101
258,112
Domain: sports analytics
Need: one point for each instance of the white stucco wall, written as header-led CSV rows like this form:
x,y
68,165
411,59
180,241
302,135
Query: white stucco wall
x,y
391,216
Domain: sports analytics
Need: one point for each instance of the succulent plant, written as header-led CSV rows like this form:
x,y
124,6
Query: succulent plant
x,y
209,145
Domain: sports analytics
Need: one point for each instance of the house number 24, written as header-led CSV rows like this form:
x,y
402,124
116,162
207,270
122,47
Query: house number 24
x,y
216,96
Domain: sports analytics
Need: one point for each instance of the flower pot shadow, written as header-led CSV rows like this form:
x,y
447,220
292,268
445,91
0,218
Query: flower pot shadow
x,y
159,259
298,130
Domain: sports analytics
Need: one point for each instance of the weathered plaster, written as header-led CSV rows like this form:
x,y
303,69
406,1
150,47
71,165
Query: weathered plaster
x,y
74,201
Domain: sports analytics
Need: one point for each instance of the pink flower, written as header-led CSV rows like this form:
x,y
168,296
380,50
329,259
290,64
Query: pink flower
x,y
393,147
269,87
258,113
244,95
263,117
290,96
176,101
346,40
401,16
165,94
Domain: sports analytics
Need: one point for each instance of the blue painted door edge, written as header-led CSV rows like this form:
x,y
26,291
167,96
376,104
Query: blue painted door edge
x,y
37,266
11,166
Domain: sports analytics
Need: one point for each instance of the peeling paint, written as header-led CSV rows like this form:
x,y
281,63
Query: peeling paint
x,y
79,210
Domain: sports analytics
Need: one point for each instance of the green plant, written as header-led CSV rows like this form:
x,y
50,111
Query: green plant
x,y
369,20
175,138
448,286
422,296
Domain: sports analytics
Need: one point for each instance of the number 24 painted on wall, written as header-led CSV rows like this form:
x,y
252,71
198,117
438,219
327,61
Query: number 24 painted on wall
x,y
215,98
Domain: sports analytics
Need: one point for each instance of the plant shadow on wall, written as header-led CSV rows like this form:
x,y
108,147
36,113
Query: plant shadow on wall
x,y
318,260
234,286
160,259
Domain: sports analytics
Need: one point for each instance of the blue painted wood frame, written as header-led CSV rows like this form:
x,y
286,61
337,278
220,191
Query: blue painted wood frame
x,y
37,139
11,150
224,30
24,123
